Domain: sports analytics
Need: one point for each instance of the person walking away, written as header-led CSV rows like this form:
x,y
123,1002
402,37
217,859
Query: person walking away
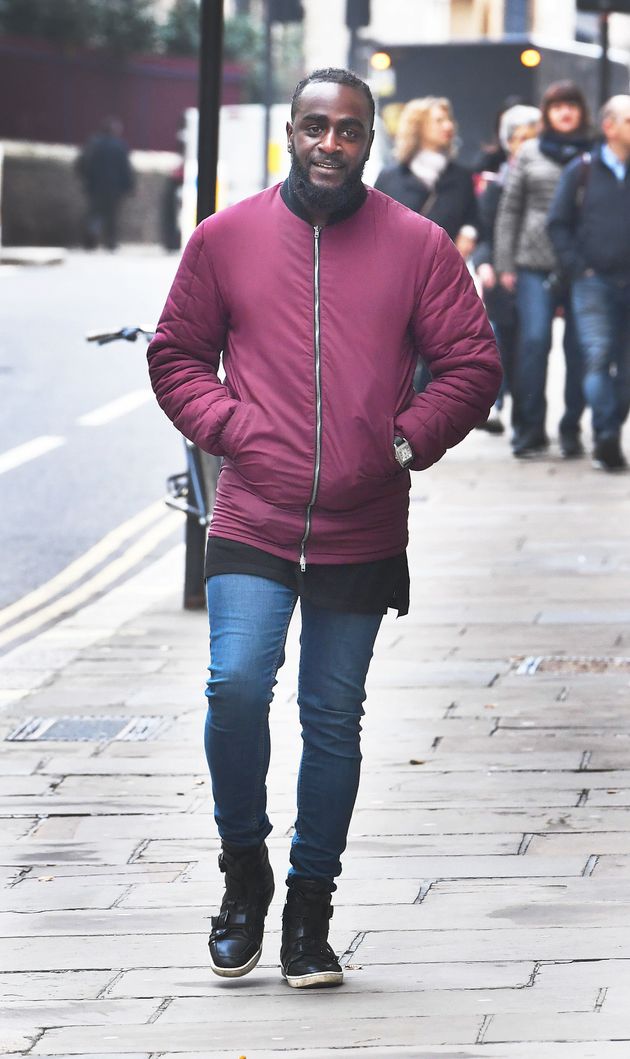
x,y
493,155
317,295
589,226
107,176
517,124
526,263
426,178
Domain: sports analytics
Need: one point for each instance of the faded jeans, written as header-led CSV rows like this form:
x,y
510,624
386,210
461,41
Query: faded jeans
x,y
249,618
536,304
602,315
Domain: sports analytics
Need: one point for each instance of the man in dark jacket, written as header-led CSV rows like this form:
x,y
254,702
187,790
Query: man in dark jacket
x,y
107,176
317,295
589,226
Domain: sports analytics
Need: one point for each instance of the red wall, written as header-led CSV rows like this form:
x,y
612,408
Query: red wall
x,y
54,96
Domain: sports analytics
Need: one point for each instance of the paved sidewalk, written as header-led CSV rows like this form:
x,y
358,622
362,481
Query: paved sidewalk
x,y
484,908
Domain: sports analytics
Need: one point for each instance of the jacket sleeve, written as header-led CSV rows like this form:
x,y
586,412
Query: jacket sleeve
x,y
510,216
563,219
454,338
184,355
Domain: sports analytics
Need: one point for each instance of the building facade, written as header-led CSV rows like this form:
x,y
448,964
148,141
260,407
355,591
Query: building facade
x,y
326,39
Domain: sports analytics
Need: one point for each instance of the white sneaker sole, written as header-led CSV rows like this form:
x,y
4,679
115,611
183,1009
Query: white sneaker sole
x,y
236,972
304,981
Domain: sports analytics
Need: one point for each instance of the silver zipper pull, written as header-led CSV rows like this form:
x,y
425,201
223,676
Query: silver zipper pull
x,y
302,561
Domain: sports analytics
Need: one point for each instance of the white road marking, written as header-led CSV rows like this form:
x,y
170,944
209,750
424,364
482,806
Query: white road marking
x,y
114,409
29,451
82,566
100,581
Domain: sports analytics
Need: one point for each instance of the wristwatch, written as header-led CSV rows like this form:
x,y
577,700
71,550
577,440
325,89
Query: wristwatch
x,y
403,451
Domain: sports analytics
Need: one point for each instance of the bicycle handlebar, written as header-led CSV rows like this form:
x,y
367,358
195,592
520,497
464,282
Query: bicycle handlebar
x,y
129,334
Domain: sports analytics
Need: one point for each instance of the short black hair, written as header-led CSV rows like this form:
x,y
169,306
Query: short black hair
x,y
332,75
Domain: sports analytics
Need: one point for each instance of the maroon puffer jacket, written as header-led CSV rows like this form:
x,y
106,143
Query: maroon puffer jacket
x,y
320,332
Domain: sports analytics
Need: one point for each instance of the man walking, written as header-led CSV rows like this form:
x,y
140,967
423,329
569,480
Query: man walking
x,y
589,225
105,170
318,294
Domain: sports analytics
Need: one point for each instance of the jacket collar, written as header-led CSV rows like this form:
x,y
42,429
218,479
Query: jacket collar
x,y
292,202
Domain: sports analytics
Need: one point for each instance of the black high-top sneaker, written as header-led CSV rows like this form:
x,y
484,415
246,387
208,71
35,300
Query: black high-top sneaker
x,y
306,958
237,932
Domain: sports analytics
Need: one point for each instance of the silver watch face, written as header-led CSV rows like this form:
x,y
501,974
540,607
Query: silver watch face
x,y
404,453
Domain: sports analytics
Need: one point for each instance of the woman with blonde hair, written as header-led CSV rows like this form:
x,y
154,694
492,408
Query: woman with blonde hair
x,y
426,177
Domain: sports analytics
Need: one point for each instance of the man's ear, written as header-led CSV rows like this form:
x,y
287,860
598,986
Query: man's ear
x,y
370,145
289,137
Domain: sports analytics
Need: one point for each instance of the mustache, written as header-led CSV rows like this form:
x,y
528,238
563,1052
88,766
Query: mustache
x,y
315,197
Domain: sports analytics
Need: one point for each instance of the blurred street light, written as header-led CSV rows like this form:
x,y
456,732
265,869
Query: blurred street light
x,y
530,57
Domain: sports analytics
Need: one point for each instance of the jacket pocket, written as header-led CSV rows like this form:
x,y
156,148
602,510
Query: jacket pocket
x,y
264,458
378,459
233,431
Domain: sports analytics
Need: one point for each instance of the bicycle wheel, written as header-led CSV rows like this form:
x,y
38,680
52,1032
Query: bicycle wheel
x,y
206,471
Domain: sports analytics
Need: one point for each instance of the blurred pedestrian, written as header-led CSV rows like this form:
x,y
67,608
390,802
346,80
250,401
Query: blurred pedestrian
x,y
426,177
518,124
317,295
494,154
525,262
589,226
107,176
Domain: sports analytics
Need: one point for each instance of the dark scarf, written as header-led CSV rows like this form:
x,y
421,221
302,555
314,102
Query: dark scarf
x,y
563,147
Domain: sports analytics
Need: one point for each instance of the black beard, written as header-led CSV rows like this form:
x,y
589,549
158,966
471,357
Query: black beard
x,y
330,200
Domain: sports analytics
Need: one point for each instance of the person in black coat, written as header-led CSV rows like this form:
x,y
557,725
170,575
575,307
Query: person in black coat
x,y
106,173
589,227
426,177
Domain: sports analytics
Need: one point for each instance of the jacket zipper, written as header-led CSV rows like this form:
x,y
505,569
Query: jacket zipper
x,y
318,404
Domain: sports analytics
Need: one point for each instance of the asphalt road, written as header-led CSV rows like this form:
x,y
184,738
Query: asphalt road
x,y
67,481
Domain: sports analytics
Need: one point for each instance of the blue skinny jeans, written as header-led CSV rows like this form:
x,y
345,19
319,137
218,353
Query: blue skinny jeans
x,y
249,618
536,303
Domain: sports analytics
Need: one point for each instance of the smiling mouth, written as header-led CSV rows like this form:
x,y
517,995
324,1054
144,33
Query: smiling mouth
x,y
327,165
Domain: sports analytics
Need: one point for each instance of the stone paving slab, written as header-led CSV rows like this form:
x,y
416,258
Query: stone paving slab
x,y
244,1009
372,979
581,1050
341,1031
589,842
53,985
27,852
430,823
603,973
616,867
26,1014
578,1026
45,896
537,943
518,905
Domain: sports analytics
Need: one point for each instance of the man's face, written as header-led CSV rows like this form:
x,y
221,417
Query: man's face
x,y
329,139
617,129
